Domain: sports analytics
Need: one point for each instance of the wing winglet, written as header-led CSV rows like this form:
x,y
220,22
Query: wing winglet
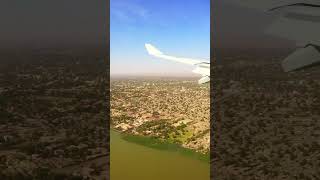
x,y
152,50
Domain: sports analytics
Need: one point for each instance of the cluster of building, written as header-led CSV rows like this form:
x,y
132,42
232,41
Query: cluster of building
x,y
169,109
53,117
266,124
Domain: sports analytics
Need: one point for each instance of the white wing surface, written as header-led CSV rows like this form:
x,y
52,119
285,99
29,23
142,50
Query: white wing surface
x,y
299,21
155,52
202,67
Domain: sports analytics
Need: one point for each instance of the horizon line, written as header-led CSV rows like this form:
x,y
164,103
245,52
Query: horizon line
x,y
154,75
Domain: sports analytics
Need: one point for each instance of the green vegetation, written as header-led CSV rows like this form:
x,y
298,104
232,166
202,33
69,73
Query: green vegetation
x,y
121,119
162,144
174,111
166,131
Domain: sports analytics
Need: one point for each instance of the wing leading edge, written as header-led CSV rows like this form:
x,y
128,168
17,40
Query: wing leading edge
x,y
202,67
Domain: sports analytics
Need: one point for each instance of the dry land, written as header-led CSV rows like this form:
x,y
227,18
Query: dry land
x,y
266,123
175,110
53,115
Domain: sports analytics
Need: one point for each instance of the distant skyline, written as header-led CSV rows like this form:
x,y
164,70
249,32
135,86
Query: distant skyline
x,y
179,28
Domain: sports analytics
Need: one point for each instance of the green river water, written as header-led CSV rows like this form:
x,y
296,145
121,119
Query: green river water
x,y
132,161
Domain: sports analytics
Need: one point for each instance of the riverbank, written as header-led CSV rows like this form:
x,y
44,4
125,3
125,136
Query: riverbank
x,y
175,111
161,144
134,161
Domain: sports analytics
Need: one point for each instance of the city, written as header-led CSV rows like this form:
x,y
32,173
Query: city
x,y
170,109
265,123
53,114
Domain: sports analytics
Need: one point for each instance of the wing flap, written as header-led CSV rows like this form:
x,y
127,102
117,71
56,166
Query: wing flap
x,y
301,58
204,79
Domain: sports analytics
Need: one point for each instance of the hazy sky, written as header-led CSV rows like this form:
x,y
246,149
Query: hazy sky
x,y
52,23
179,28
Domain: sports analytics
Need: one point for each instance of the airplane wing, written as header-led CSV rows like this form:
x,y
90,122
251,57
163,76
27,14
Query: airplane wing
x,y
155,52
266,5
298,21
202,67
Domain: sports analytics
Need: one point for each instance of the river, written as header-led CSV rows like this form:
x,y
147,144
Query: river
x,y
132,161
